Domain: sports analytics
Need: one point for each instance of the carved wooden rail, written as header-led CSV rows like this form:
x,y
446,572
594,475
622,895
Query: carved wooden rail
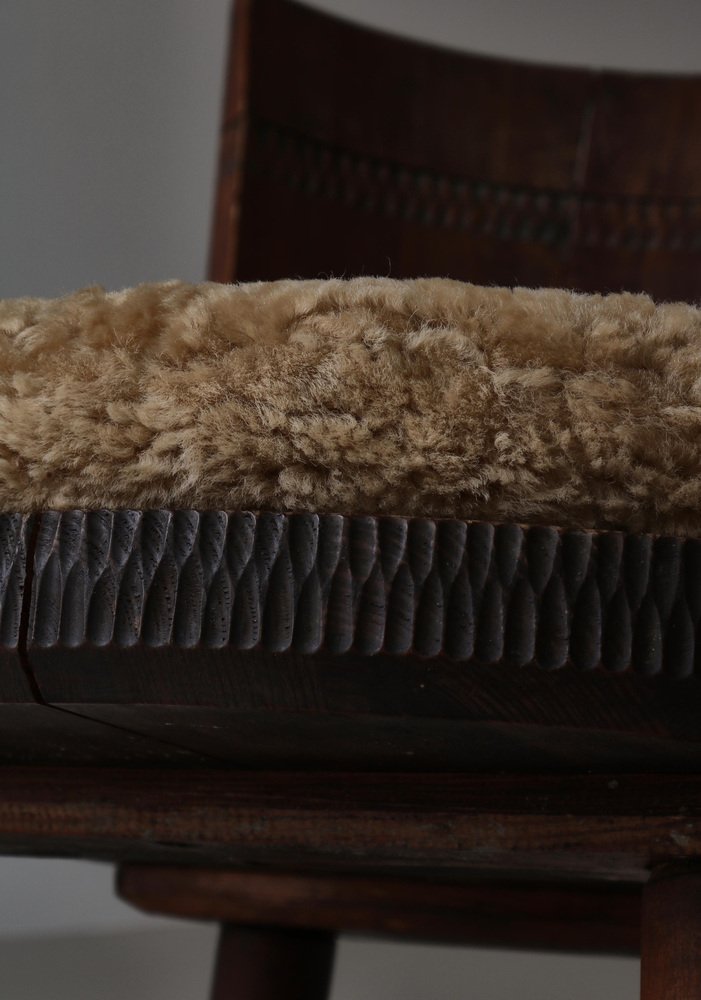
x,y
521,213
368,642
322,582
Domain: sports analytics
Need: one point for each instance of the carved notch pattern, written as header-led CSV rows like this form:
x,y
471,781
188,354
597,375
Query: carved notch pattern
x,y
308,582
13,562
505,212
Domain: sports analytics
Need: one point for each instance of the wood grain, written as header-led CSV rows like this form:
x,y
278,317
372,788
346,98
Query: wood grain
x,y
568,827
671,934
234,143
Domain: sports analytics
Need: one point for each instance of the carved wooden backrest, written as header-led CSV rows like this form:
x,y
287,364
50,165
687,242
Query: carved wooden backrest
x,y
346,151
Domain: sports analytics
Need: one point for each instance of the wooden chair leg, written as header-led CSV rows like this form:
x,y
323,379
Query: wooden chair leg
x,y
268,963
671,934
278,931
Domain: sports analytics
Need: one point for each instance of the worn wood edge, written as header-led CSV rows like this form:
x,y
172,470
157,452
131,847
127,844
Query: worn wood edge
x,y
308,583
233,143
570,918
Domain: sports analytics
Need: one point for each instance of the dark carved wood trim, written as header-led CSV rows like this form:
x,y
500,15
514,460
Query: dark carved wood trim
x,y
429,198
13,558
307,583
15,547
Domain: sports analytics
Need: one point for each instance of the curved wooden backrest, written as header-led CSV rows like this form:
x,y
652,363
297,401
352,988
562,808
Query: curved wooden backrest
x,y
346,151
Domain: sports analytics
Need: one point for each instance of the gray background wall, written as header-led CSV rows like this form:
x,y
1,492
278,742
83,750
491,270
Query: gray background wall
x,y
108,120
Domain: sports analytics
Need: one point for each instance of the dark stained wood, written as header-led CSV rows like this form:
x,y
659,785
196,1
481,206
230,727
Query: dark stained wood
x,y
310,583
289,740
574,918
329,649
568,827
636,149
232,154
437,162
671,934
31,731
308,640
47,735
15,534
412,99
255,963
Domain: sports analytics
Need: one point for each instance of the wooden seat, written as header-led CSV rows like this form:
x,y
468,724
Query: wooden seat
x,y
346,151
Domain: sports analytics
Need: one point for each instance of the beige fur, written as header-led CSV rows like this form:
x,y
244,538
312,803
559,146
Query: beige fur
x,y
421,397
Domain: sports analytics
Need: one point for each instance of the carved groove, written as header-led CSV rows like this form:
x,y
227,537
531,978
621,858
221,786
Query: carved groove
x,y
311,582
509,213
14,530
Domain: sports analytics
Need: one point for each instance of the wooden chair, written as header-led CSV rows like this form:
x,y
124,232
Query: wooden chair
x,y
357,763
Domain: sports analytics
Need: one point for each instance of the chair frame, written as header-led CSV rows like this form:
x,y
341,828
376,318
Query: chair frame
x,y
301,724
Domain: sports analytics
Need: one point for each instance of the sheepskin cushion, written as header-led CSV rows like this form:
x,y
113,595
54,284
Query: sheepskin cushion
x,y
426,397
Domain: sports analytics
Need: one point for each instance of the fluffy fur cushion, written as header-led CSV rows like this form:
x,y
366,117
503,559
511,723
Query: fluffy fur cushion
x,y
421,397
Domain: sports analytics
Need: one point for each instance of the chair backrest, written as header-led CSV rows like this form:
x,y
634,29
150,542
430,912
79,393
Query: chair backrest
x,y
347,151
